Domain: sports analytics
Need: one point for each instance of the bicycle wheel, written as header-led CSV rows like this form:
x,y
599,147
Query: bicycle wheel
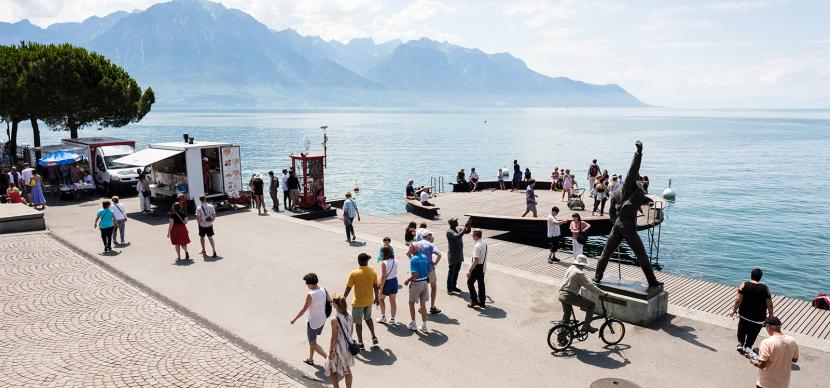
x,y
559,337
612,331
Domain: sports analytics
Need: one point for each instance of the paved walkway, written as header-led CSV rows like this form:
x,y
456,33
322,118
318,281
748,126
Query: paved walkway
x,y
67,322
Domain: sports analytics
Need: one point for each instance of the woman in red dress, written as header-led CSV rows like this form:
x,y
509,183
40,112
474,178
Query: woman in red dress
x,y
177,230
13,194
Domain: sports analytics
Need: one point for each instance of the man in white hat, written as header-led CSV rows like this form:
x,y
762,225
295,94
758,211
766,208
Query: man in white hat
x,y
569,296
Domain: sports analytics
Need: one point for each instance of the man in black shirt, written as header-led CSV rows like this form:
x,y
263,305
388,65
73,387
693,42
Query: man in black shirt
x,y
293,189
752,304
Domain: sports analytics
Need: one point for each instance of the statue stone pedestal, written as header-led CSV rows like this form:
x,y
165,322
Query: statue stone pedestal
x,y
631,301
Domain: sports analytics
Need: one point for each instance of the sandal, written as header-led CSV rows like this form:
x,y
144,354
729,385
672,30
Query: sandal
x,y
309,362
374,340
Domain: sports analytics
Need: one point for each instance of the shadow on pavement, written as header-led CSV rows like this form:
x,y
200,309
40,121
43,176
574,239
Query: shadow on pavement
x,y
433,338
686,333
357,243
377,356
443,319
492,312
110,253
211,259
183,263
400,330
604,359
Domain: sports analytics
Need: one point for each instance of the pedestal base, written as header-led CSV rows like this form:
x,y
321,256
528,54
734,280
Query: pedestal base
x,y
19,218
640,308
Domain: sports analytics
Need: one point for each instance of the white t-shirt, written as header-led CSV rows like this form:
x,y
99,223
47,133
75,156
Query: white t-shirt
x,y
424,197
284,182
26,174
317,311
480,253
553,228
391,269
473,175
204,211
119,211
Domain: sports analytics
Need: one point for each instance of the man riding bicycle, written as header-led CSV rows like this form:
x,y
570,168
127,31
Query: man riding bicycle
x,y
569,296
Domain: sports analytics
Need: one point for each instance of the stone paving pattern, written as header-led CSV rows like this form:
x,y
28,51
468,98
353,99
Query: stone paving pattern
x,y
67,322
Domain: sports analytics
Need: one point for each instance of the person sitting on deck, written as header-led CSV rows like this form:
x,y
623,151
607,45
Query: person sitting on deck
x,y
425,196
473,179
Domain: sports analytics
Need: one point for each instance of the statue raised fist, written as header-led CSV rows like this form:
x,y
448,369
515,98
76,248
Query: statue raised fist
x,y
639,145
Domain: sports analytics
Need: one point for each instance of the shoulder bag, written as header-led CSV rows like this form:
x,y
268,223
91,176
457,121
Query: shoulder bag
x,y
328,304
354,348
581,238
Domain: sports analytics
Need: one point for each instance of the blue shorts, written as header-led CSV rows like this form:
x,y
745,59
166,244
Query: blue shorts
x,y
313,333
390,287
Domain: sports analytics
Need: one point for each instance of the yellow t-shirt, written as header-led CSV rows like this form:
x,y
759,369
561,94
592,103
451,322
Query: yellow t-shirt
x,y
363,280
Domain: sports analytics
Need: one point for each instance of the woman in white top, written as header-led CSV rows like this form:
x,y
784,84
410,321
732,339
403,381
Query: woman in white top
x,y
340,361
315,304
120,219
389,282
143,188
567,184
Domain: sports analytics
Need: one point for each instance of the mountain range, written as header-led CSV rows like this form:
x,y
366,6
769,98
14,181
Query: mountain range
x,y
199,53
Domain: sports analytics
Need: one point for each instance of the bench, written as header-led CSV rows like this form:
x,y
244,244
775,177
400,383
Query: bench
x,y
415,207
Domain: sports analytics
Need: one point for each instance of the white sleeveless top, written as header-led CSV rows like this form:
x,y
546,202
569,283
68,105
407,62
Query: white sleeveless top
x,y
317,311
391,268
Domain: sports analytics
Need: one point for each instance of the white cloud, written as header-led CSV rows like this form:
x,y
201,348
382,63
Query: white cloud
x,y
408,23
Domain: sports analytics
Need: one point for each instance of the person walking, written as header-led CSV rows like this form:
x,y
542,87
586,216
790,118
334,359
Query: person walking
x,y
427,248
36,184
418,288
389,284
554,177
120,219
350,211
315,305
600,196
26,175
286,196
569,295
578,235
205,218
257,186
340,360
475,276
593,172
455,254
530,198
105,221
364,281
293,189
143,189
775,356
567,185
753,304
273,188
554,233
177,230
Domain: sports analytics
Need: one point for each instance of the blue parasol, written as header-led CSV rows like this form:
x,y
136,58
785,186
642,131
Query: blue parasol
x,y
60,158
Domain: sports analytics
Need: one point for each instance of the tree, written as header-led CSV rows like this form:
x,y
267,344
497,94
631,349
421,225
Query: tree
x,y
87,89
12,106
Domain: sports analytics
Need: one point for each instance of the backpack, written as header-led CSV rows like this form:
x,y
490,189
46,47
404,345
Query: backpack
x,y
822,302
593,170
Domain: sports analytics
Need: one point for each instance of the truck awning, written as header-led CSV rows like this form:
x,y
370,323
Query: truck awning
x,y
147,157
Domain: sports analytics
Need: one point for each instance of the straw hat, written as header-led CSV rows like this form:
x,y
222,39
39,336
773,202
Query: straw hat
x,y
581,260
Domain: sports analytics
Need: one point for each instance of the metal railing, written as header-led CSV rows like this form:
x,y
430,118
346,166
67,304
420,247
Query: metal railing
x,y
655,213
437,184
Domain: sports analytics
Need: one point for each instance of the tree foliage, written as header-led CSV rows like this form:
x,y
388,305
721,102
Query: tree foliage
x,y
68,87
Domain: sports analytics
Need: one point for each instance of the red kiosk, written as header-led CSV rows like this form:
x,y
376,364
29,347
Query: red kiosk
x,y
310,172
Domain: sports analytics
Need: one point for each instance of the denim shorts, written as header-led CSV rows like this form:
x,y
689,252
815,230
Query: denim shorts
x,y
313,333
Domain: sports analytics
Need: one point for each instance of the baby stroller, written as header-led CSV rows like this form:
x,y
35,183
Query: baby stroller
x,y
575,199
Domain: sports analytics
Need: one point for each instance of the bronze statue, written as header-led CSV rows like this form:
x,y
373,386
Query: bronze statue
x,y
625,203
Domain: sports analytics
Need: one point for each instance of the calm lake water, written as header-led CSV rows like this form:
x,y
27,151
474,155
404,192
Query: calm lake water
x,y
750,183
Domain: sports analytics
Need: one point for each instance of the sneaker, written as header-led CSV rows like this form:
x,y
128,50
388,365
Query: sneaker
x,y
413,326
740,349
382,320
434,310
392,321
550,260
424,328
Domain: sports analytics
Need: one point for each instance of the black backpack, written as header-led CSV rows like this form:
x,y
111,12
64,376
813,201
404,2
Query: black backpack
x,y
593,170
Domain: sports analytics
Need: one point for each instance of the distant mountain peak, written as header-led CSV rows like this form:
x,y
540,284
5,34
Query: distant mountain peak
x,y
199,52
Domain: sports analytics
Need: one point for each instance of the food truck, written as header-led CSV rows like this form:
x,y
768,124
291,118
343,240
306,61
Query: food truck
x,y
101,154
191,168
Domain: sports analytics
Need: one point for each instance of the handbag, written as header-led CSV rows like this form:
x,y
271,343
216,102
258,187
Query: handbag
x,y
354,348
581,238
328,304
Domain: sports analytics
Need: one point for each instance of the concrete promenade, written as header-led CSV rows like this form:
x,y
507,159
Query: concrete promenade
x,y
255,288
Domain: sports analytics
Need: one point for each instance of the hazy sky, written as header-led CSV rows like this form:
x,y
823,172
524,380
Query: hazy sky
x,y
753,53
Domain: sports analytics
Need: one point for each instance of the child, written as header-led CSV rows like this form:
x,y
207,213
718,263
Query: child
x,y
501,179
386,244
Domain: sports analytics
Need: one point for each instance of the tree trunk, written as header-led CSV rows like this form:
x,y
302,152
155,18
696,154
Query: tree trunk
x,y
13,142
73,127
35,136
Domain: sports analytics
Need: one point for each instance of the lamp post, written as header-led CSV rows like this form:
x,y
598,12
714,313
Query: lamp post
x,y
325,145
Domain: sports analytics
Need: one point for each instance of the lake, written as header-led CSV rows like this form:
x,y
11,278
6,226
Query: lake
x,y
748,182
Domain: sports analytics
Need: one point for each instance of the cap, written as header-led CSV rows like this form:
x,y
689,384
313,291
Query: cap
x,y
773,320
581,260
451,220
205,159
427,232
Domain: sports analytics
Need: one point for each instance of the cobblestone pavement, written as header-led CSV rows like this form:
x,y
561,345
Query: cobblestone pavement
x,y
67,322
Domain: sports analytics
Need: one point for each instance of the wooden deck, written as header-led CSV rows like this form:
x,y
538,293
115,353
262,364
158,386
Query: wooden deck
x,y
684,292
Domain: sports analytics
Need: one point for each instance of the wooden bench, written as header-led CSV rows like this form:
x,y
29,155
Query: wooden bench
x,y
415,207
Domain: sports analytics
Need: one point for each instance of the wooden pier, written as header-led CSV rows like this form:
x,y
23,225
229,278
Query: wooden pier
x,y
693,296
